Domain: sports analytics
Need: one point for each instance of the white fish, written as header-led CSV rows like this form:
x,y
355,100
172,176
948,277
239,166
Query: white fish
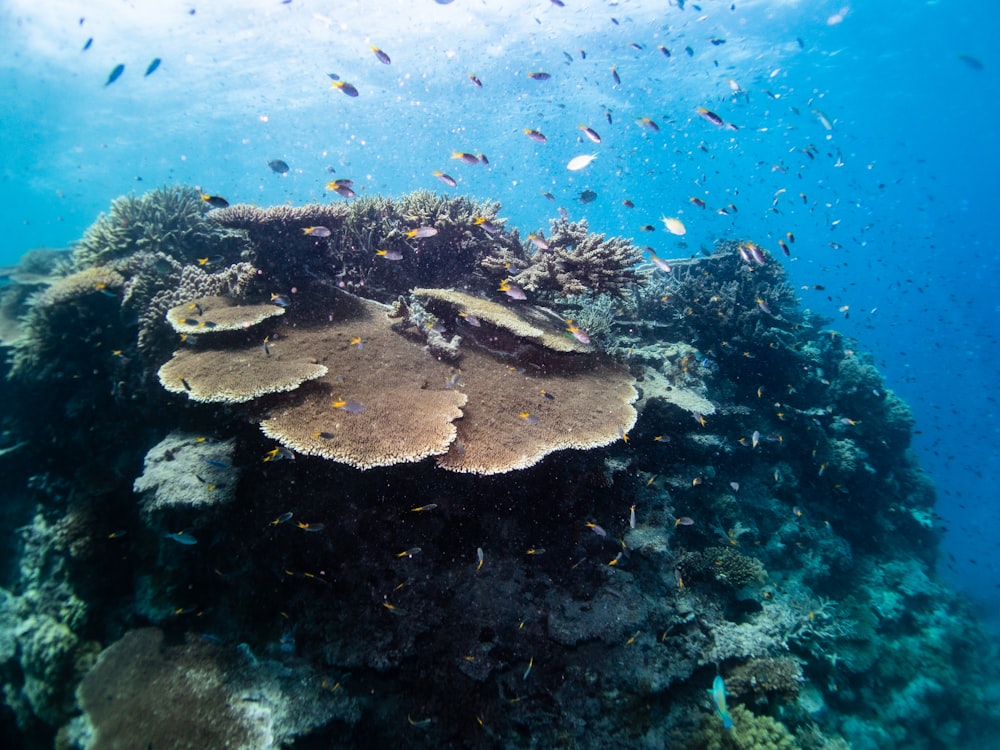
x,y
579,162
674,226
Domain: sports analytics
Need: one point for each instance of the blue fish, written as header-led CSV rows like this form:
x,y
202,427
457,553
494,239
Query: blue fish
x,y
182,537
718,693
87,45
153,66
116,74
216,463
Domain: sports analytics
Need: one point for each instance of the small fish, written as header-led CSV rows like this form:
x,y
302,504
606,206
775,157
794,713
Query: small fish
x,y
115,74
409,552
631,517
718,694
475,81
278,453
587,196
152,67
465,157
382,57
529,418
697,201
710,116
312,528
324,435
628,204
447,179
579,162
535,135
472,320
316,231
346,88
539,76
596,529
486,225
531,660
674,225
784,248
755,439
659,263
512,290
452,382
684,521
764,307
480,558
283,518
648,124
278,166
117,534
421,232
664,50
182,537
578,333
538,241
389,254
351,407
216,463
215,201
87,44
280,300
615,77
535,551
358,342
423,508
590,133
547,395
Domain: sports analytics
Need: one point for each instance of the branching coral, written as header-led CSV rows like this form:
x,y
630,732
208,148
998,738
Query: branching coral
x,y
168,220
574,261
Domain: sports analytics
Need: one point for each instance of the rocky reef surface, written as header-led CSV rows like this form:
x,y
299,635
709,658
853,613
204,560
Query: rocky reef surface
x,y
382,473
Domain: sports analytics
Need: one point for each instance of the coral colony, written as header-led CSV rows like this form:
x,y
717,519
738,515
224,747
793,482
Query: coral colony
x,y
386,474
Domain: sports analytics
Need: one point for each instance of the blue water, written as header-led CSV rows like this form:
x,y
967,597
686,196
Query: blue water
x,y
893,214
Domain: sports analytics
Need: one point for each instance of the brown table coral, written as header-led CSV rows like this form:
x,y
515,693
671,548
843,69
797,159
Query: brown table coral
x,y
384,399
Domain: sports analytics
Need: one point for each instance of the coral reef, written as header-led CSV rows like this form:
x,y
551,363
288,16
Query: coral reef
x,y
739,501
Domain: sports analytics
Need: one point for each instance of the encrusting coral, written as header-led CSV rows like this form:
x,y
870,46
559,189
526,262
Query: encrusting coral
x,y
142,694
187,471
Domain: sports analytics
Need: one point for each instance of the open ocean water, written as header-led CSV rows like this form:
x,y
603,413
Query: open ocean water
x,y
860,135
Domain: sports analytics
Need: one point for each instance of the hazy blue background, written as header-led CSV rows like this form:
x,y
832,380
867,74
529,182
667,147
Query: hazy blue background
x,y
904,182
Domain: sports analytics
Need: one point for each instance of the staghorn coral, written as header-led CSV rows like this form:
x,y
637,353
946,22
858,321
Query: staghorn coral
x,y
207,315
199,694
170,220
576,262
